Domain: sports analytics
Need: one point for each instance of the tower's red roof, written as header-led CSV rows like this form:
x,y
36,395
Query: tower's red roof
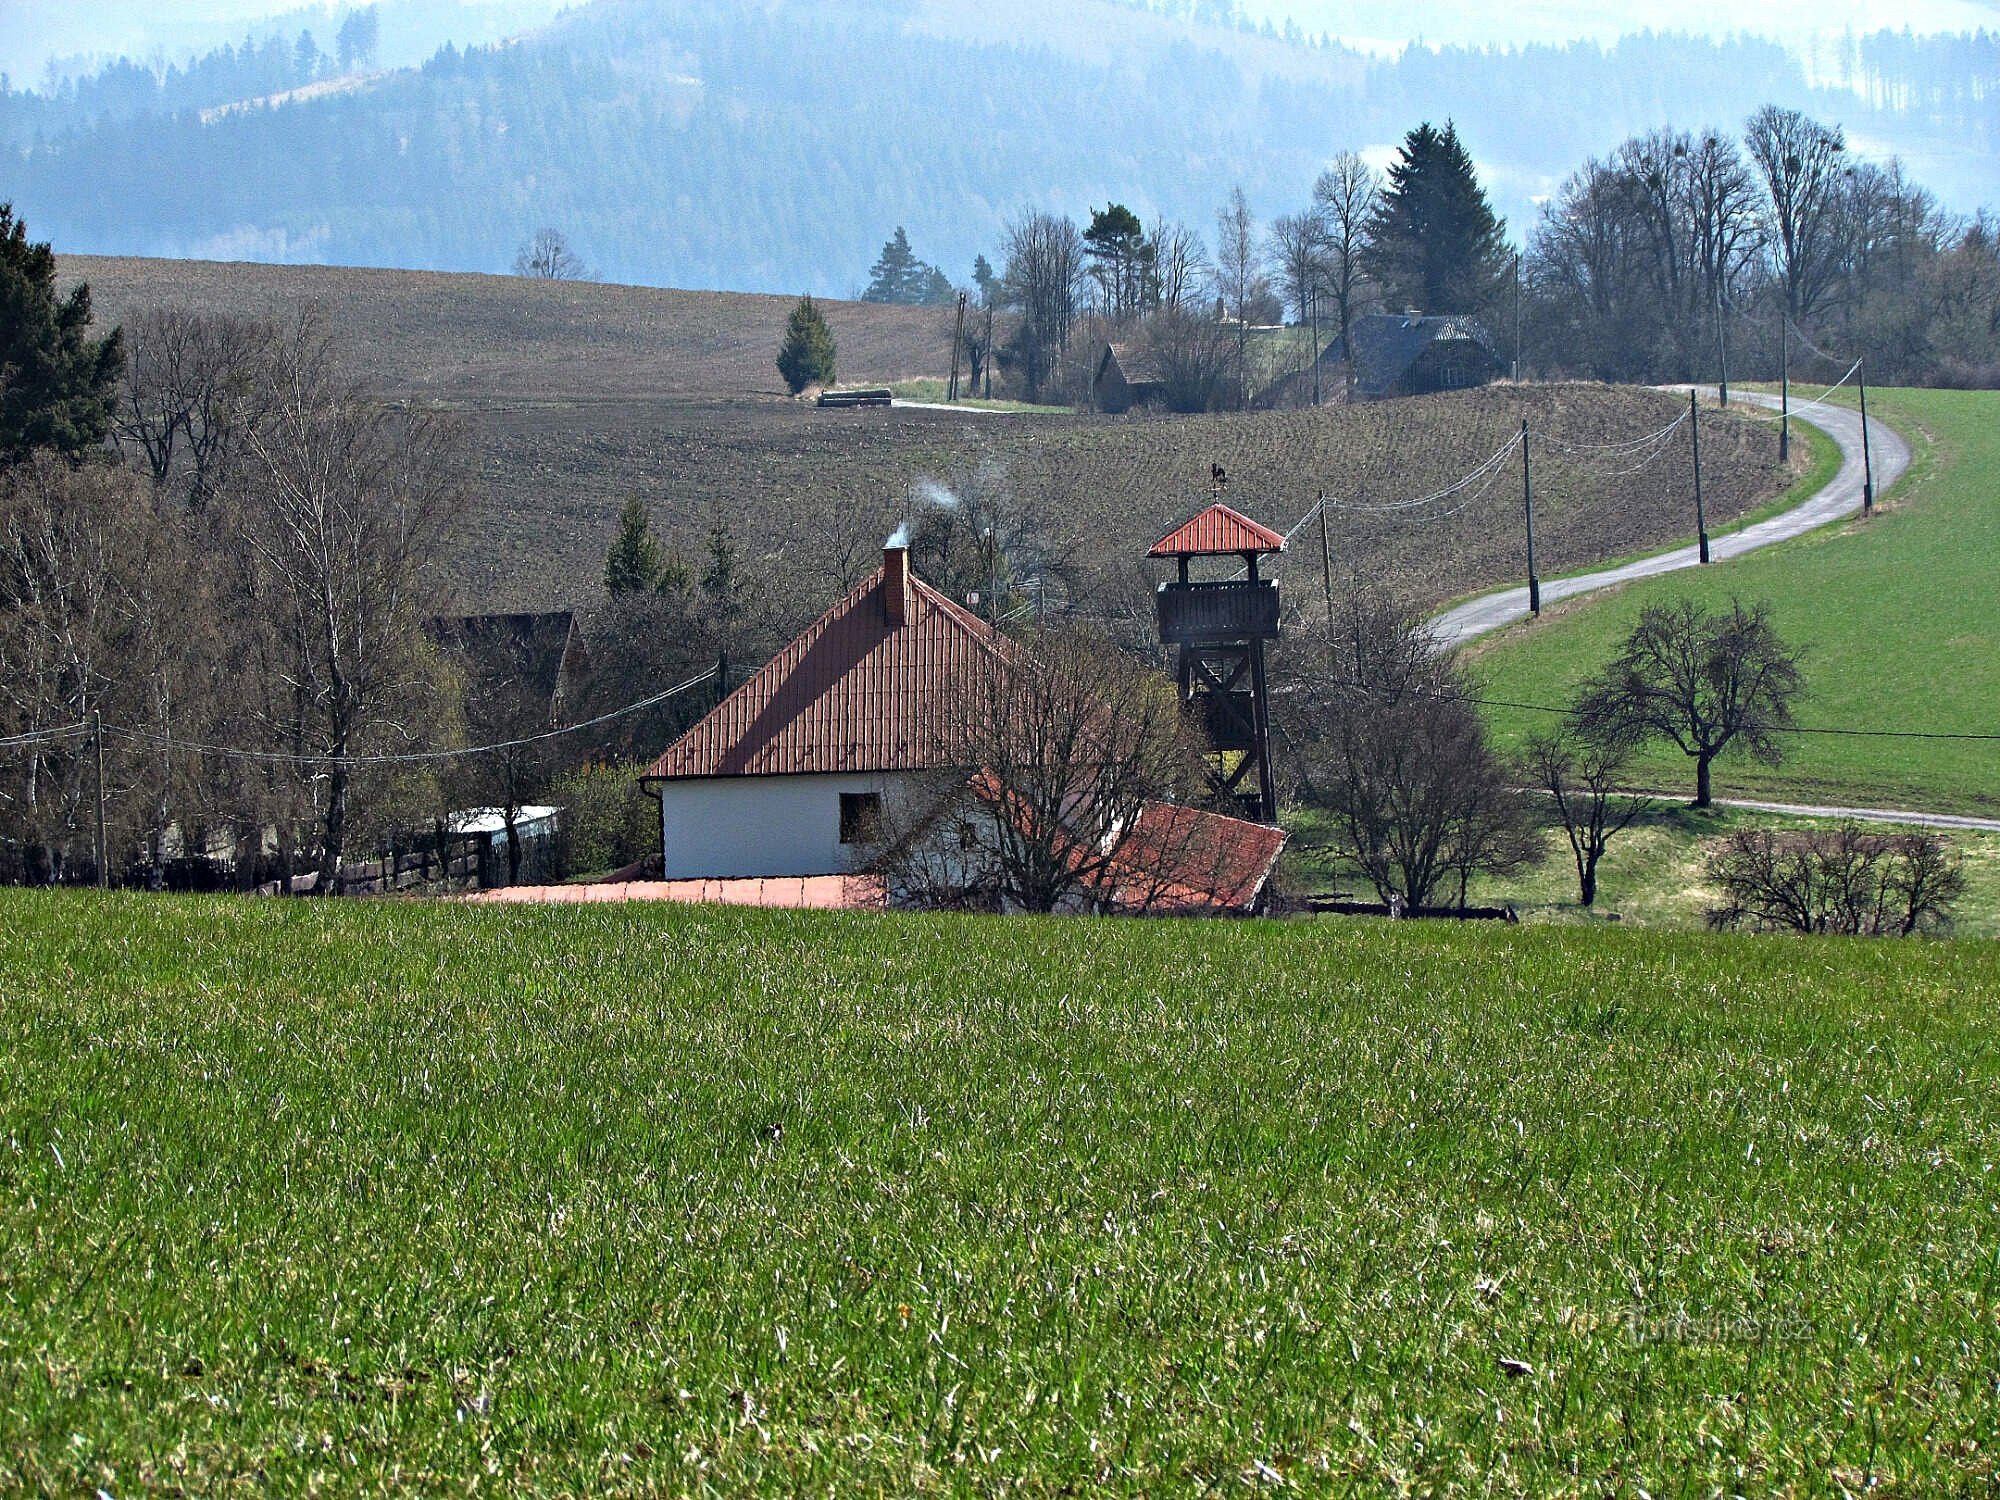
x,y
1216,531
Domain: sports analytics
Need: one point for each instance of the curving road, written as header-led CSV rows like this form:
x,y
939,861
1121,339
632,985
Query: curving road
x,y
1841,497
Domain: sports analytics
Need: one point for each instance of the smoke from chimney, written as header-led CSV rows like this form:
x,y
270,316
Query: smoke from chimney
x,y
899,539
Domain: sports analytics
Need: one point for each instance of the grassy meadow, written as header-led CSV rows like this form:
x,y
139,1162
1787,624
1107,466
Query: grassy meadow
x,y
1899,616
1653,875
299,1197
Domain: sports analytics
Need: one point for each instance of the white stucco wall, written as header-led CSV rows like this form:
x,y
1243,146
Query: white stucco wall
x,y
715,827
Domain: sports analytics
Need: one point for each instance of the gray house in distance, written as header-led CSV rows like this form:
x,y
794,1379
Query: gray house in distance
x,y
1408,354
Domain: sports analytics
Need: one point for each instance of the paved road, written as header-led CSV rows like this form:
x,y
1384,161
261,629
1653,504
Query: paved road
x,y
1858,814
1841,497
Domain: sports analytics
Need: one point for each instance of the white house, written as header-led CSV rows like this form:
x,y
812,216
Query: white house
x,y
835,740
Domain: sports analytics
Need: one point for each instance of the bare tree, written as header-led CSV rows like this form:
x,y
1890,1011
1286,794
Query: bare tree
x,y
1192,354
1045,278
1581,775
342,515
1298,255
1843,880
1802,164
1703,681
1180,266
1390,745
1345,197
1061,743
1722,216
1239,277
195,384
547,255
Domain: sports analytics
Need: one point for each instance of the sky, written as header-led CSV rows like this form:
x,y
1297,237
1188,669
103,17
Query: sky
x,y
32,32
1380,26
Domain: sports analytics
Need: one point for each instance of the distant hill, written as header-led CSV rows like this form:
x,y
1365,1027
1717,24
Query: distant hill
x,y
486,339
772,145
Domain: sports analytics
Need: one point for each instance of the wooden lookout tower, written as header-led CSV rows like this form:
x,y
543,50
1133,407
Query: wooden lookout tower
x,y
1220,626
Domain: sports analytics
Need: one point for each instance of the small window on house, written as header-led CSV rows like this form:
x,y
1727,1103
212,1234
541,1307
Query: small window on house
x,y
860,817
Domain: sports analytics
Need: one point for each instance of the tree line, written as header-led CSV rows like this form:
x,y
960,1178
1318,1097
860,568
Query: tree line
x,y
1675,255
221,587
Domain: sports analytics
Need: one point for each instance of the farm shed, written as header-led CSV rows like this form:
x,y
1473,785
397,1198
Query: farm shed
x,y
836,740
484,829
1124,377
1407,354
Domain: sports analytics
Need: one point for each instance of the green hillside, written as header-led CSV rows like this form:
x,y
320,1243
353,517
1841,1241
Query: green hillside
x,y
1899,615
376,1198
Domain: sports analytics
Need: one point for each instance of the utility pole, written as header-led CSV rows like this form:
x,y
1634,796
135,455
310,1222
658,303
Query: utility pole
x,y
1517,317
957,343
1313,299
1700,516
1326,567
1528,503
1867,459
1722,343
97,736
1784,387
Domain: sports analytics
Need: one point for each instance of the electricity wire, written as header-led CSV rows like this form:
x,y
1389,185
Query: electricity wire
x,y
286,757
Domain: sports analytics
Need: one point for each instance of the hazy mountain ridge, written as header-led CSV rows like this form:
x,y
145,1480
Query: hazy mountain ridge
x,y
773,146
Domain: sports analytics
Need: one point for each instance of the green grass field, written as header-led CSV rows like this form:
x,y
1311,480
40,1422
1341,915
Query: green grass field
x,y
1900,617
1653,875
302,1197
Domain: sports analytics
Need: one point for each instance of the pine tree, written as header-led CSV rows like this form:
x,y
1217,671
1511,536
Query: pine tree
x,y
990,289
899,277
1434,243
806,356
57,385
633,565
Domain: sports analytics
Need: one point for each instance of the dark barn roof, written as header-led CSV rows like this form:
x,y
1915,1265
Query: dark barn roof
x,y
1392,351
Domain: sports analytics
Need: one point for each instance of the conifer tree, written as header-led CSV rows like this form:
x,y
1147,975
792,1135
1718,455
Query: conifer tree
x,y
57,384
806,356
899,277
1434,242
633,565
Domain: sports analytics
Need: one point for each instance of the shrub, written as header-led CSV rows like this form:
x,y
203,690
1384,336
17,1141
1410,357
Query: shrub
x,y
607,822
1841,880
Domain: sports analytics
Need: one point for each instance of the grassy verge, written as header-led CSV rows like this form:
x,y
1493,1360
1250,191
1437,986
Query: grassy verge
x,y
934,390
1653,874
1898,615
389,1198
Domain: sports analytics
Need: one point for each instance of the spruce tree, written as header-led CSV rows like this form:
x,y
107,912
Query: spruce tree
x,y
1434,242
806,356
899,277
633,565
57,384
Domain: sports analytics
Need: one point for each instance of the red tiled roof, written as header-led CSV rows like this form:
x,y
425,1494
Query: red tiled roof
x,y
1215,531
1181,860
853,693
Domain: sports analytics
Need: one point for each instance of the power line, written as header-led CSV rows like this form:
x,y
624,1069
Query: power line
x,y
1471,476
285,757
44,736
1820,729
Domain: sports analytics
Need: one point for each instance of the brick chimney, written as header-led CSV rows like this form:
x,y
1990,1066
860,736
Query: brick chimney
x,y
896,581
